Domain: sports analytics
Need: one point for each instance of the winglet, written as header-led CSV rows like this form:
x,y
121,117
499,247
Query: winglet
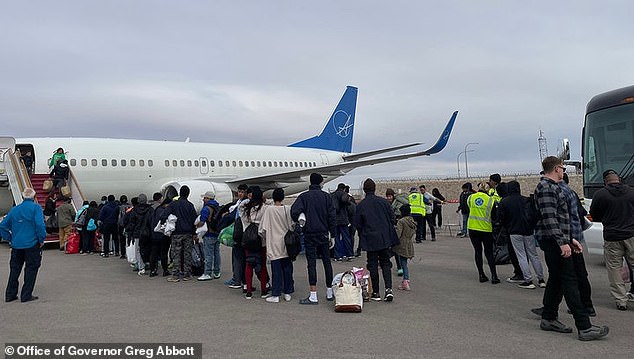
x,y
444,137
337,134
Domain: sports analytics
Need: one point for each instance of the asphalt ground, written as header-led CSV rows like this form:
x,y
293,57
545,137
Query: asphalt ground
x,y
448,313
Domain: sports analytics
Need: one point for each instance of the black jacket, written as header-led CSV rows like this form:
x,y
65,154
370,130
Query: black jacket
x,y
186,214
341,202
375,220
140,224
109,213
613,206
320,213
511,213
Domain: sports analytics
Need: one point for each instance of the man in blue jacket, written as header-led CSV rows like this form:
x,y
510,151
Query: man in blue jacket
x,y
317,206
183,235
24,228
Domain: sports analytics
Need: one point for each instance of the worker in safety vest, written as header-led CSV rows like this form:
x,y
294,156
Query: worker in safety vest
x,y
417,206
480,228
494,180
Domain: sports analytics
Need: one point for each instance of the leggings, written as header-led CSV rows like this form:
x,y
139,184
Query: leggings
x,y
484,240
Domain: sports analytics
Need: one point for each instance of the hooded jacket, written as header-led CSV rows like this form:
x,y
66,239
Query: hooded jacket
x,y
613,206
140,225
406,232
511,211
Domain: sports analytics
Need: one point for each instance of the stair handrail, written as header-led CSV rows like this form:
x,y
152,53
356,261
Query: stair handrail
x,y
16,182
77,195
25,179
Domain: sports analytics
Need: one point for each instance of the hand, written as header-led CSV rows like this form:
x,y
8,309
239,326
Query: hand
x,y
577,247
565,250
332,243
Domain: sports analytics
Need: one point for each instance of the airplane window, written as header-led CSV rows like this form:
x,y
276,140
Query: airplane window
x,y
270,164
233,163
167,163
263,163
211,163
93,162
84,162
275,163
258,163
189,163
285,164
246,163
314,164
141,163
301,164
104,163
219,163
114,163
123,163
182,163
133,163
252,163
150,163
291,163
196,163
296,165
73,162
240,163
174,163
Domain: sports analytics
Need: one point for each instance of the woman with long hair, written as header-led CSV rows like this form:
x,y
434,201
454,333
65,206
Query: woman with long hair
x,y
251,212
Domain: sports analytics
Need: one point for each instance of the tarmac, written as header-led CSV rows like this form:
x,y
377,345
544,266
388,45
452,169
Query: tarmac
x,y
447,314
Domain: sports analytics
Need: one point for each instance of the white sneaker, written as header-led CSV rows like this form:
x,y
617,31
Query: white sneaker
x,y
142,272
204,277
287,297
630,296
273,299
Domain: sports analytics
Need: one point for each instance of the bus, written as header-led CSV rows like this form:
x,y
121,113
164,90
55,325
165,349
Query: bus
x,y
607,143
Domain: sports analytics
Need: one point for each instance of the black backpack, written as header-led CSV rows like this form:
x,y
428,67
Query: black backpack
x,y
530,212
251,240
238,230
212,220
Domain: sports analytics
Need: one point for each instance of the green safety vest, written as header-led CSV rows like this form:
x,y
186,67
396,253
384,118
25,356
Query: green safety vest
x,y
480,205
416,203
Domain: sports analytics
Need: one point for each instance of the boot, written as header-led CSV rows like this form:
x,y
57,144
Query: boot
x,y
406,284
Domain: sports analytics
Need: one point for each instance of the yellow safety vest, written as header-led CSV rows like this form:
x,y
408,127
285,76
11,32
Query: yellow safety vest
x,y
494,194
480,205
416,203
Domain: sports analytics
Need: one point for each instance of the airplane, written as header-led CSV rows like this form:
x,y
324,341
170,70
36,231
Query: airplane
x,y
105,166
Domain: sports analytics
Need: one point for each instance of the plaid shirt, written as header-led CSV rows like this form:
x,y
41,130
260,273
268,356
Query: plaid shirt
x,y
572,200
554,224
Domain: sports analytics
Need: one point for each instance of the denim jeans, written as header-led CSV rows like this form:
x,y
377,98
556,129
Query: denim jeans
x,y
465,219
343,242
211,250
403,261
282,277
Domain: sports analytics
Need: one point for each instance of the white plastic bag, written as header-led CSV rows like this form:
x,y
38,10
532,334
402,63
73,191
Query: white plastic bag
x,y
130,252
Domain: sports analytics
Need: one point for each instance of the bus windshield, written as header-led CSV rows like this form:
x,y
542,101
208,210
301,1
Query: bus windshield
x,y
608,143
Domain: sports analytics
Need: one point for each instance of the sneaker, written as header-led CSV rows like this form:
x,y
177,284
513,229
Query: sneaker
x,y
173,279
266,294
621,306
630,296
141,272
375,297
235,286
541,283
389,296
122,256
406,285
515,279
527,285
287,297
433,239
399,272
249,295
204,277
153,274
307,301
216,275
495,280
538,311
593,333
483,278
273,299
554,326
166,273
186,278
244,288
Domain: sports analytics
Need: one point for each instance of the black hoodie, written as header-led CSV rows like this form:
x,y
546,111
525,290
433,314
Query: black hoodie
x,y
511,211
613,206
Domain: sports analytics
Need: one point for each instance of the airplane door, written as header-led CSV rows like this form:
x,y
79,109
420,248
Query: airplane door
x,y
204,165
324,159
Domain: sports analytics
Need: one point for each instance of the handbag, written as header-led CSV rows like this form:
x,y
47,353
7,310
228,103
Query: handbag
x,y
226,235
47,186
293,245
348,297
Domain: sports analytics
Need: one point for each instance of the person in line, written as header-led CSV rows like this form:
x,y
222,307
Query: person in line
x,y
417,208
211,245
613,205
104,200
396,203
436,214
430,202
516,220
27,159
237,252
276,222
252,212
108,217
157,200
463,207
80,224
160,242
343,242
58,156
317,206
65,219
183,235
404,251
553,235
49,205
140,228
120,244
88,232
480,231
60,174
24,228
375,222
352,207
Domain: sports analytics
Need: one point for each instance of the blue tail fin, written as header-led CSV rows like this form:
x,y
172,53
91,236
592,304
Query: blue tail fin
x,y
337,135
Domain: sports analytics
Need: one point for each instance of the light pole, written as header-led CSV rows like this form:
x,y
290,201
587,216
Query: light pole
x,y
466,165
458,160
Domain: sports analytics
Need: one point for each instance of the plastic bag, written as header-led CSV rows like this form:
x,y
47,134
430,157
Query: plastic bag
x,y
226,235
130,252
72,243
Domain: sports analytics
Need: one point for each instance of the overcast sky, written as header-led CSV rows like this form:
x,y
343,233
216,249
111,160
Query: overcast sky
x,y
271,72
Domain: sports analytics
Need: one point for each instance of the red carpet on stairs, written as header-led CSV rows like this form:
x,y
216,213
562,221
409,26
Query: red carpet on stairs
x,y
37,180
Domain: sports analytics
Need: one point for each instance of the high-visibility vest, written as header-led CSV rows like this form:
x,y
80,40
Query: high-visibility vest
x,y
494,194
480,205
416,203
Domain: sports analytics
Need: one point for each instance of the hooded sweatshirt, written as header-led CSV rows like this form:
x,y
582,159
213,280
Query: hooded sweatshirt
x,y
406,232
511,211
613,206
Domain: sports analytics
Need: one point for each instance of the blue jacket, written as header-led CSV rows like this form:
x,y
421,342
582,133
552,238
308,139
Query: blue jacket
x,y
109,213
375,220
319,210
185,212
24,225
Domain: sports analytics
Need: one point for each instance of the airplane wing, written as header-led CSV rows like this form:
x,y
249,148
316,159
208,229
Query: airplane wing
x,y
356,156
339,169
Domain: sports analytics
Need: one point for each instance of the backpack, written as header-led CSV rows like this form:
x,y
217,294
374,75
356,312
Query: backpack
x,y
530,212
212,220
251,240
123,209
81,220
238,231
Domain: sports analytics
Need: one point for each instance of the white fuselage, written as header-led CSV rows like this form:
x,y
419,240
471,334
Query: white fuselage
x,y
120,166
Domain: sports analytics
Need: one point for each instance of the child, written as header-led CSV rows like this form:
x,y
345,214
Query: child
x,y
406,231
